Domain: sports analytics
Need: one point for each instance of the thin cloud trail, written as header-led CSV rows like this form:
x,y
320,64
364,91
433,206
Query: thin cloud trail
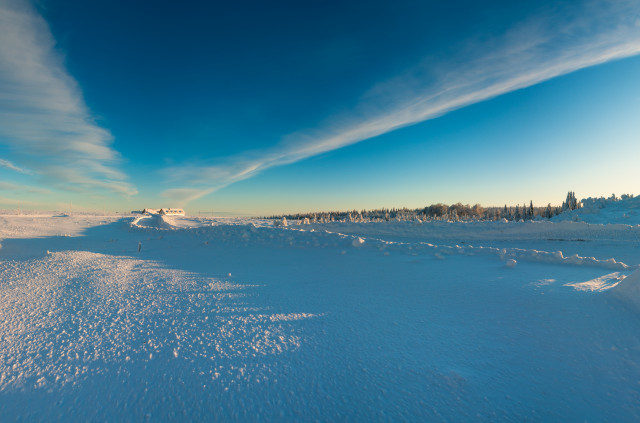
x,y
10,186
9,165
45,124
534,51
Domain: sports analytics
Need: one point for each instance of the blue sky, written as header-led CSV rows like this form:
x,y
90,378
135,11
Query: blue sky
x,y
261,108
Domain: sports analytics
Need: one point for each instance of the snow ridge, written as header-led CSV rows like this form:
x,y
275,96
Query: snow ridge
x,y
318,237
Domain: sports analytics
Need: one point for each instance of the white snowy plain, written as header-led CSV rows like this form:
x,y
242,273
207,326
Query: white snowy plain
x,y
107,318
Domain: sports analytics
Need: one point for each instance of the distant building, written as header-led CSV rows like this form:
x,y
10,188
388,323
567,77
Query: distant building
x,y
172,212
164,211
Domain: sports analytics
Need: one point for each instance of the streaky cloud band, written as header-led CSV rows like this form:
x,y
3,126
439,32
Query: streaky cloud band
x,y
44,121
9,165
560,42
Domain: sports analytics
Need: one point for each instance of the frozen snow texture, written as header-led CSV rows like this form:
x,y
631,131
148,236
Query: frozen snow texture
x,y
71,315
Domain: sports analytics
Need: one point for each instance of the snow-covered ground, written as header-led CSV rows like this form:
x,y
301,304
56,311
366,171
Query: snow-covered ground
x,y
110,318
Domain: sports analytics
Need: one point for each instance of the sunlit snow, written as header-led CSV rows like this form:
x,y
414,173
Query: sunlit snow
x,y
190,318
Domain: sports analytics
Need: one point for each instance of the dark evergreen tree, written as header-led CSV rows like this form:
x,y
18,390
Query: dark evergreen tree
x,y
531,211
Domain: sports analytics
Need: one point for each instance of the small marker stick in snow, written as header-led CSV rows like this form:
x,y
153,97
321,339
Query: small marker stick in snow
x,y
139,246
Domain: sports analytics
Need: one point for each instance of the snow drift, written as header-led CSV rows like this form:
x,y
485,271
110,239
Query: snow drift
x,y
628,290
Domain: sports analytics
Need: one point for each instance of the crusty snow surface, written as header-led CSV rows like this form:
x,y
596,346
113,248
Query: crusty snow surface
x,y
111,318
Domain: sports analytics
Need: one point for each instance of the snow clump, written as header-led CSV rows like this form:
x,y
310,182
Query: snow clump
x,y
282,222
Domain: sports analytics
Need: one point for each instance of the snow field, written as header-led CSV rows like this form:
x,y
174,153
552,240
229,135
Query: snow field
x,y
318,322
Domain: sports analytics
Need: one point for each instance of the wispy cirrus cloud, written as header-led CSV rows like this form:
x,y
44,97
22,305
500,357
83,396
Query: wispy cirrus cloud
x,y
555,42
12,202
44,121
10,186
9,165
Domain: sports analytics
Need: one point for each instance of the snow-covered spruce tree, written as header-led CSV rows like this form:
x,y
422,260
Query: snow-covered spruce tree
x,y
571,203
531,211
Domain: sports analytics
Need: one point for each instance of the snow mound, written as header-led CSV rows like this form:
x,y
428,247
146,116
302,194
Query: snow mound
x,y
154,221
357,242
628,290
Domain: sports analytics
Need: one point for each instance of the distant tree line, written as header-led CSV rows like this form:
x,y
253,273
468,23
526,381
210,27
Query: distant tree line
x,y
440,211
